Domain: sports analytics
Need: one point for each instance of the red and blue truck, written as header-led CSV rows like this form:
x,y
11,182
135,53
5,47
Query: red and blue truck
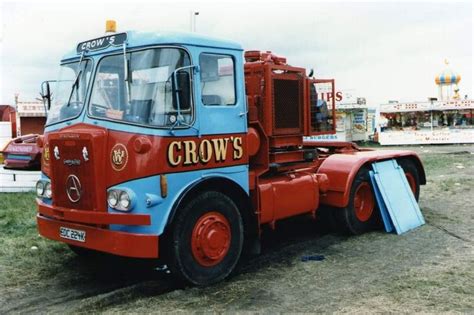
x,y
181,147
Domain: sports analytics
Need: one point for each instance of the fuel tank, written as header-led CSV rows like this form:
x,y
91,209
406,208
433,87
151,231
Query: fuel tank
x,y
286,195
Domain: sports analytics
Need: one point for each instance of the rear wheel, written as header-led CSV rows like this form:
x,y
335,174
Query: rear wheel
x,y
413,178
205,240
361,214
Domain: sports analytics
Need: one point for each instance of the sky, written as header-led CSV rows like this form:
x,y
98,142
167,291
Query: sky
x,y
378,50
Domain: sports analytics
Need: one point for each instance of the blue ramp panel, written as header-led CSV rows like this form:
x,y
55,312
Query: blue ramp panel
x,y
394,195
387,221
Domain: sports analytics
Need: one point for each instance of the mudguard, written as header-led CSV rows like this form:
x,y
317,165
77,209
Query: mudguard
x,y
342,168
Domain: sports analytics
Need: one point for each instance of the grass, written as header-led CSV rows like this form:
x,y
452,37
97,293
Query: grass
x,y
427,270
17,216
24,255
446,164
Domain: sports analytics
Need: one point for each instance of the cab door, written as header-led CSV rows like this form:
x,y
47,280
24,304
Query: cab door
x,y
220,93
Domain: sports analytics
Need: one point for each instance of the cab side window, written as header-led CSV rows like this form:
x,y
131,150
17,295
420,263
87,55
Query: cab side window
x,y
217,79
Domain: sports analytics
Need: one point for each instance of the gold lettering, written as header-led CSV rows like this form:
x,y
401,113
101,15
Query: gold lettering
x,y
191,153
173,147
191,156
238,151
205,151
220,147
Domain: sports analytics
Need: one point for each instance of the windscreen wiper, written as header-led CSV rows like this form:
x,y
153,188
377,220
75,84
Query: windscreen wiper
x,y
74,86
126,74
76,80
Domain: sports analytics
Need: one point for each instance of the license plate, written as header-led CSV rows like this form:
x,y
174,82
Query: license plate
x,y
71,234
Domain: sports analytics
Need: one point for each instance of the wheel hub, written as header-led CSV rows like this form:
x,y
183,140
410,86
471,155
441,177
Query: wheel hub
x,y
210,240
363,202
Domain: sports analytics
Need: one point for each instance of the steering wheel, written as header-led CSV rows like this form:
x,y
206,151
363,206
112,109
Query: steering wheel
x,y
98,110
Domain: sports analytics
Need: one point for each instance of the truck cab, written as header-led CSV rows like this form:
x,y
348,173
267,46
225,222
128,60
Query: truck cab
x,y
139,119
172,146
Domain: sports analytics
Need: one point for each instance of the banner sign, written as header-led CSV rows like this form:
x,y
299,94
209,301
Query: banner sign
x,y
102,42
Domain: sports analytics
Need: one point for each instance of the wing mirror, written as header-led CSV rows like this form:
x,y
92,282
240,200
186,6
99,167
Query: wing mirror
x,y
46,94
182,90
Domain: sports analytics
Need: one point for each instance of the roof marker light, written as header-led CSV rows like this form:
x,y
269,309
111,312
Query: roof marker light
x,y
110,26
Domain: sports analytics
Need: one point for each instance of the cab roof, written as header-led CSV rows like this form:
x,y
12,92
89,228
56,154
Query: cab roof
x,y
141,39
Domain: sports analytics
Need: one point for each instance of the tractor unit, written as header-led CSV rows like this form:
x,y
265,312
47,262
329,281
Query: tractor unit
x,y
180,147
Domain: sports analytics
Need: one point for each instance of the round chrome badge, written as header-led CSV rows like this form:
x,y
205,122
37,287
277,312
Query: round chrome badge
x,y
73,188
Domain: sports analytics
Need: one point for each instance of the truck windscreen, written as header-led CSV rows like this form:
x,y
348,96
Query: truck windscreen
x,y
146,98
70,91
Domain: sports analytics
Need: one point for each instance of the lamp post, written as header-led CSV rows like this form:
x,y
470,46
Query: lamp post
x,y
193,16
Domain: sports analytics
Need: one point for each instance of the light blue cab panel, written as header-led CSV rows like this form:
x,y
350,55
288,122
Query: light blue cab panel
x,y
177,184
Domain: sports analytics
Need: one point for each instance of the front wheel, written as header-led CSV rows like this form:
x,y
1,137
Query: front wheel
x,y
205,240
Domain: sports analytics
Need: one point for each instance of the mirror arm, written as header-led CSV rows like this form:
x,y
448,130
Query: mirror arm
x,y
184,124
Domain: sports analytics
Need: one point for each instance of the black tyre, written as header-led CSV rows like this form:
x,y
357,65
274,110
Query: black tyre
x,y
205,239
413,178
361,214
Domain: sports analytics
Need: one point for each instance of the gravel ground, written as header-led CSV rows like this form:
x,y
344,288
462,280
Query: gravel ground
x,y
430,269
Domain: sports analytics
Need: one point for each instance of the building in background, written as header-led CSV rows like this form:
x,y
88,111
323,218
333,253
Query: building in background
x,y
31,117
352,117
446,119
371,123
351,120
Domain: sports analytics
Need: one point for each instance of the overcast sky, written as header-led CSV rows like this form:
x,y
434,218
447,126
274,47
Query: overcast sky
x,y
380,50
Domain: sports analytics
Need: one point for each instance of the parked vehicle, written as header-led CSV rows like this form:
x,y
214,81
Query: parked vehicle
x,y
173,146
22,153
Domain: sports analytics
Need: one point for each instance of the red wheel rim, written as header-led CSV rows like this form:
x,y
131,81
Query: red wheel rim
x,y
210,240
411,182
363,202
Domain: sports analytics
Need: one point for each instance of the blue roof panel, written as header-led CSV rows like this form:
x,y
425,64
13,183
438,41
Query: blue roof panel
x,y
139,39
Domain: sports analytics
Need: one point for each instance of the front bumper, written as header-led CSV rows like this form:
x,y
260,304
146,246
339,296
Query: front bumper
x,y
51,219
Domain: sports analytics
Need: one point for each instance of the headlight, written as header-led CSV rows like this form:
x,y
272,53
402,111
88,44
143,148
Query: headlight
x,y
124,201
120,199
48,193
112,198
40,188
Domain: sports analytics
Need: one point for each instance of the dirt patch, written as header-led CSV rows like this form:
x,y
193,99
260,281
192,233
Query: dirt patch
x,y
430,269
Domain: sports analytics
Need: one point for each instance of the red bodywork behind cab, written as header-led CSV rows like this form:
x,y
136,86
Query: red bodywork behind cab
x,y
289,176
